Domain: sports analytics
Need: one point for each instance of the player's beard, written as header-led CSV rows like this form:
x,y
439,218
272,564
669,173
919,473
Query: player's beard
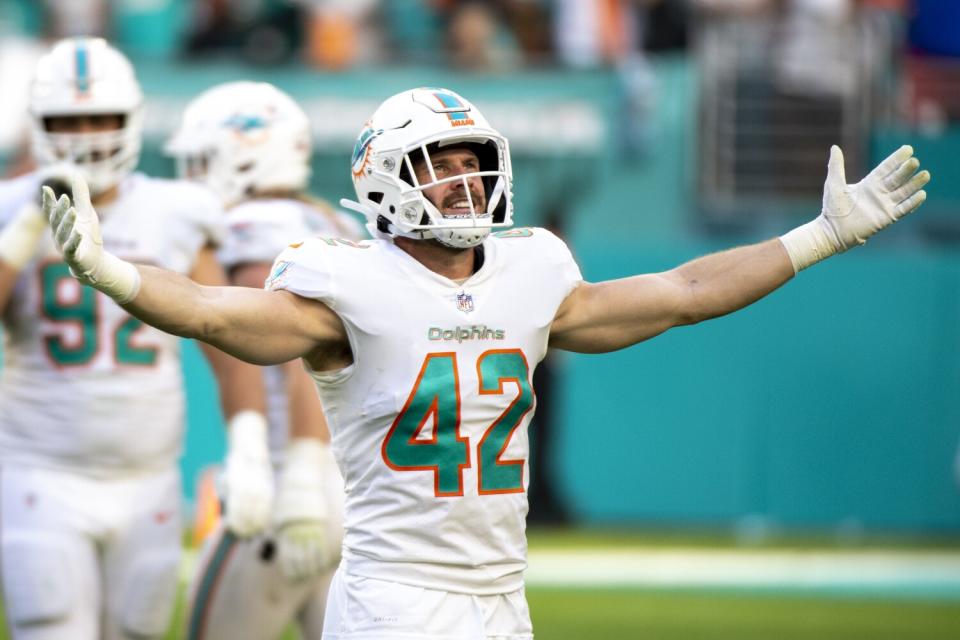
x,y
479,204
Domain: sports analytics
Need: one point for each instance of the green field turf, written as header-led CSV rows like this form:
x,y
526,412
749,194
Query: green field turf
x,y
627,613
567,614
605,614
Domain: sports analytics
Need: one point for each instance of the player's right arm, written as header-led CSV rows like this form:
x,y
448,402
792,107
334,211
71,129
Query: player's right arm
x,y
18,242
258,326
8,279
255,325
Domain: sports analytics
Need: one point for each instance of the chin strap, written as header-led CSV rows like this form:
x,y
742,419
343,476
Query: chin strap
x,y
423,234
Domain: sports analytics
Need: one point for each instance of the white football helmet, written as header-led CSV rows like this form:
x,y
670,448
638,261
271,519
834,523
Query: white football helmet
x,y
87,77
406,128
241,138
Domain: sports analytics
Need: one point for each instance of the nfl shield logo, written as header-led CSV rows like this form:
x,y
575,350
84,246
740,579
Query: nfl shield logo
x,y
465,302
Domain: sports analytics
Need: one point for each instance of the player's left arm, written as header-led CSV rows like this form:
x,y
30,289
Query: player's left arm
x,y
247,480
612,315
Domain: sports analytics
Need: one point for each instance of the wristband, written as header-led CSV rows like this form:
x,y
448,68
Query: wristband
x,y
247,433
300,494
117,278
810,243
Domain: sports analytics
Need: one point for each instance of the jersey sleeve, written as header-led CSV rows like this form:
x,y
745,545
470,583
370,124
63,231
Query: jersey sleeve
x,y
257,232
207,213
303,268
567,269
550,255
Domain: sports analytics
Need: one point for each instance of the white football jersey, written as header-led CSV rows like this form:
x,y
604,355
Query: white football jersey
x,y
257,231
87,387
429,423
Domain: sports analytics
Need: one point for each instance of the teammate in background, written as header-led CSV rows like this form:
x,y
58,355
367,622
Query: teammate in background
x,y
91,399
422,343
251,144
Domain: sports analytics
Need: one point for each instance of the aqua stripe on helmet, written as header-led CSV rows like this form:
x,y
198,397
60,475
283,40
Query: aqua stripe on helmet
x,y
452,102
82,67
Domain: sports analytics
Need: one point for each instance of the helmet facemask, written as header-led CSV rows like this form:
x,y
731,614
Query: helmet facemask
x,y
192,166
102,158
86,78
416,216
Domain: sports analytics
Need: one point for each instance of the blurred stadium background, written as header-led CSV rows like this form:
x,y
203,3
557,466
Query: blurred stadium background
x,y
787,472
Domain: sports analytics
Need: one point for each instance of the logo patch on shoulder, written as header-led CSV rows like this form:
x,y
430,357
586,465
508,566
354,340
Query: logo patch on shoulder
x,y
279,274
465,302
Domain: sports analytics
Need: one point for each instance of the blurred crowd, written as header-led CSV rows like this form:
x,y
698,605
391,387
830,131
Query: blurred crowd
x,y
816,52
468,34
338,34
480,35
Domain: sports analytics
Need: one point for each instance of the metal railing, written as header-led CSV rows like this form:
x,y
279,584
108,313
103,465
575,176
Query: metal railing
x,y
769,112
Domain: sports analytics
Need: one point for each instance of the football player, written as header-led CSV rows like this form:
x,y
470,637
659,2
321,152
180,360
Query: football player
x,y
251,144
423,341
91,399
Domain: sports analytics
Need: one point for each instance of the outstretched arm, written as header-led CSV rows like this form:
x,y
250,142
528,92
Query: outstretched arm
x,y
258,326
606,316
612,315
261,327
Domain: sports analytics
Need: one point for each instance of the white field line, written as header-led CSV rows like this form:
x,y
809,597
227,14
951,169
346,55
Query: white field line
x,y
703,568
887,572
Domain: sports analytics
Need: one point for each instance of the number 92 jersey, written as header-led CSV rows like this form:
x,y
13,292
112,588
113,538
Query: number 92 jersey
x,y
86,387
429,424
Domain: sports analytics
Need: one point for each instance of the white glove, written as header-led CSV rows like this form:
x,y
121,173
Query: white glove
x,y
76,231
854,212
300,514
246,484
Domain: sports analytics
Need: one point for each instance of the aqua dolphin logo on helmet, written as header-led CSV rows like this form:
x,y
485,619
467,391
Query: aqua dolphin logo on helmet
x,y
243,123
361,150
